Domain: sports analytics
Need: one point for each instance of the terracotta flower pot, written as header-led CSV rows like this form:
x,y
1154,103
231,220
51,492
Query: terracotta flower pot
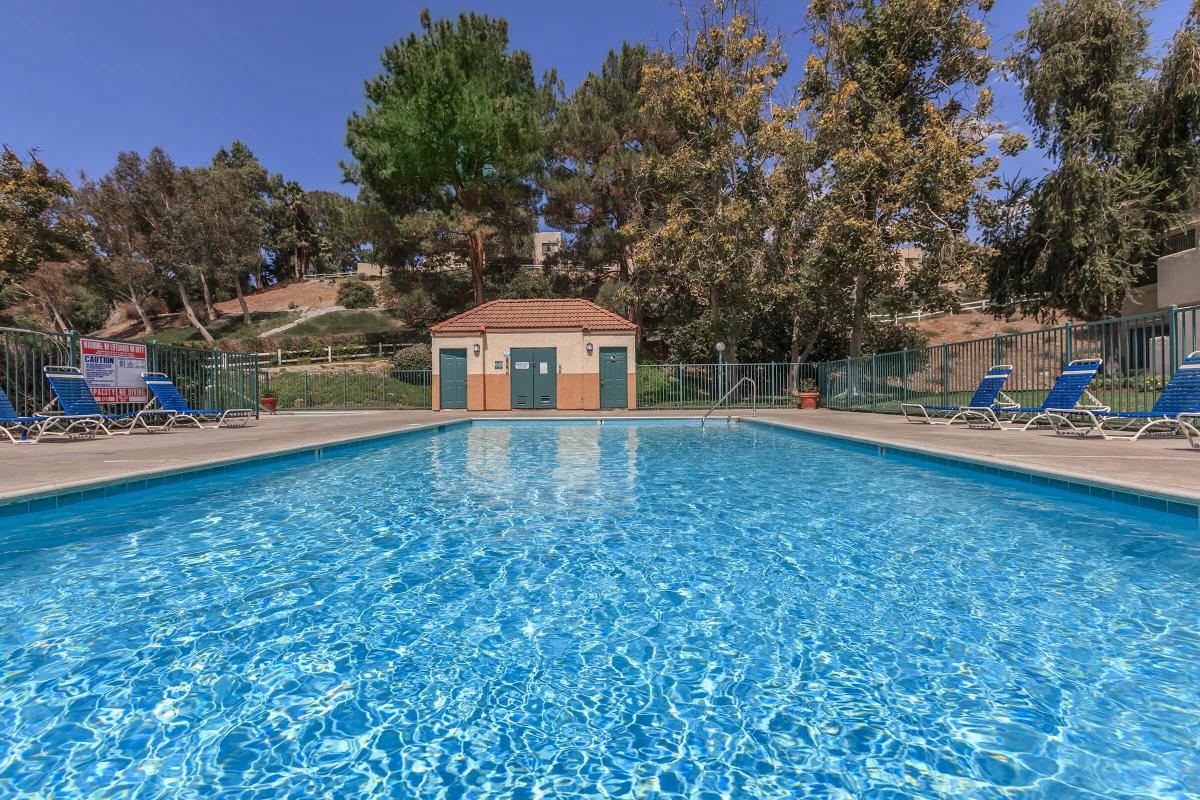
x,y
269,403
809,399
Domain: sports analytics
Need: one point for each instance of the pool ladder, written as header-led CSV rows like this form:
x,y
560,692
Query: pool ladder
x,y
732,389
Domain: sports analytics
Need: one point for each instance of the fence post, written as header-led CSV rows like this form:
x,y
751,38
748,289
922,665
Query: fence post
x,y
945,374
995,349
874,384
904,373
329,354
279,356
345,392
1172,333
849,383
306,388
1070,349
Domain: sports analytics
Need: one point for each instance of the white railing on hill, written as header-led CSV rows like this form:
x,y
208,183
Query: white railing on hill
x,y
919,314
329,354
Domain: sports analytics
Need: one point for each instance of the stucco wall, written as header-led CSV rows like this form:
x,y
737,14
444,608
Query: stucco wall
x,y
578,373
1179,279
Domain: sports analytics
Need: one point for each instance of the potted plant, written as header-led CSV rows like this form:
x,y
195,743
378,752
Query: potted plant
x,y
268,400
806,393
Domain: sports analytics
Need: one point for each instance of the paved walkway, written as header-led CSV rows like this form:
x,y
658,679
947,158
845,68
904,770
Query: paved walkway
x,y
1154,466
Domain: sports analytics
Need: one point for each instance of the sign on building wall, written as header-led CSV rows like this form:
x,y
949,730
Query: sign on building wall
x,y
113,370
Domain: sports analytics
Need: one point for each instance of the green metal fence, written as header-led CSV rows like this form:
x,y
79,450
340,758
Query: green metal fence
x,y
206,378
1140,354
696,386
350,389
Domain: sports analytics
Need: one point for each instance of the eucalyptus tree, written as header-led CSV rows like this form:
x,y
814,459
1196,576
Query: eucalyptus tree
x,y
899,115
120,233
165,198
38,220
704,234
228,235
454,131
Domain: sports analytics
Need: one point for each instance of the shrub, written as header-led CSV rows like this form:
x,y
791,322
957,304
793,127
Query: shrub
x,y
90,309
355,294
416,308
419,356
806,385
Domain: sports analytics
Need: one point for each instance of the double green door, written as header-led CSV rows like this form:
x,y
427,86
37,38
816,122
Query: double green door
x,y
614,377
452,378
533,377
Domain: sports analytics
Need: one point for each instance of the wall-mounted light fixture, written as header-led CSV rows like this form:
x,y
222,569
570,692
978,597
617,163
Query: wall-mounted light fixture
x,y
477,350
589,348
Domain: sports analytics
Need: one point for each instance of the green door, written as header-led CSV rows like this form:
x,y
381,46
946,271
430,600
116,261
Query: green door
x,y
614,377
545,377
452,374
520,377
533,377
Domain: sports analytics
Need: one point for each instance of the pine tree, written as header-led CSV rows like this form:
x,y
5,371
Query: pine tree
x,y
454,131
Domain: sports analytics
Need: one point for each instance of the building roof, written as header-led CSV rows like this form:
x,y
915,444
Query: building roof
x,y
521,315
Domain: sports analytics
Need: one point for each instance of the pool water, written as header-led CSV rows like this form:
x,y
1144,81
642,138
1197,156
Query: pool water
x,y
577,610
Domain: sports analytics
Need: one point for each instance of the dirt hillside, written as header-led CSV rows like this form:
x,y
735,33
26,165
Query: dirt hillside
x,y
976,325
307,294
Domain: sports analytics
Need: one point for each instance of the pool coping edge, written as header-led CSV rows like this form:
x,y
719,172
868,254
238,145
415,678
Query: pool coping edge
x,y
60,495
1127,494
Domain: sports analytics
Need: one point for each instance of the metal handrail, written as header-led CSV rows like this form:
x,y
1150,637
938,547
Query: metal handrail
x,y
732,389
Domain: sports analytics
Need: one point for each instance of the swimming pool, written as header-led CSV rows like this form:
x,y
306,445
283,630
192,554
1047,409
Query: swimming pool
x,y
576,610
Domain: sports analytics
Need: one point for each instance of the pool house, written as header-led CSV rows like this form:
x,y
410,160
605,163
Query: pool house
x,y
534,354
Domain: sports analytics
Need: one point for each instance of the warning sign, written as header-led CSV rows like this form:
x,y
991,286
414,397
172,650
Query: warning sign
x,y
113,370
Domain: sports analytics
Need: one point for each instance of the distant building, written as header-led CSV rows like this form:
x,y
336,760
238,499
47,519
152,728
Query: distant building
x,y
910,258
1175,279
365,270
545,244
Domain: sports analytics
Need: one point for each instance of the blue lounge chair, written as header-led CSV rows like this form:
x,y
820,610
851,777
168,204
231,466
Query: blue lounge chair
x,y
1180,398
988,397
16,427
1067,392
81,416
169,398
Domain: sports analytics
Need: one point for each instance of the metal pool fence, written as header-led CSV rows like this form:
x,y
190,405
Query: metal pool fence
x,y
351,389
698,386
206,378
1140,355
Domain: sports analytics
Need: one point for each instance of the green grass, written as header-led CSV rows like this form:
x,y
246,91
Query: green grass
x,y
346,322
229,326
348,389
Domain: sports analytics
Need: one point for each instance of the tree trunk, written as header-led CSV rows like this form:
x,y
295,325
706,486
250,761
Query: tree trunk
x,y
147,325
860,314
241,296
52,311
191,313
258,278
475,254
210,311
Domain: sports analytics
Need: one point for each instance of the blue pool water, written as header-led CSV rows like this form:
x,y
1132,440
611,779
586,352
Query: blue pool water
x,y
627,610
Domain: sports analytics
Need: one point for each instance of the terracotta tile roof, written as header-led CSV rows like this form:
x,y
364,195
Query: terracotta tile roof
x,y
509,315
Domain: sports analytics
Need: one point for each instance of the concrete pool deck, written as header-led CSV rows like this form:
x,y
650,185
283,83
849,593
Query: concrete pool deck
x,y
1158,467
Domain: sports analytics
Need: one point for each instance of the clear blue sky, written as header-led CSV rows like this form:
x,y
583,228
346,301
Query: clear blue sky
x,y
86,79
